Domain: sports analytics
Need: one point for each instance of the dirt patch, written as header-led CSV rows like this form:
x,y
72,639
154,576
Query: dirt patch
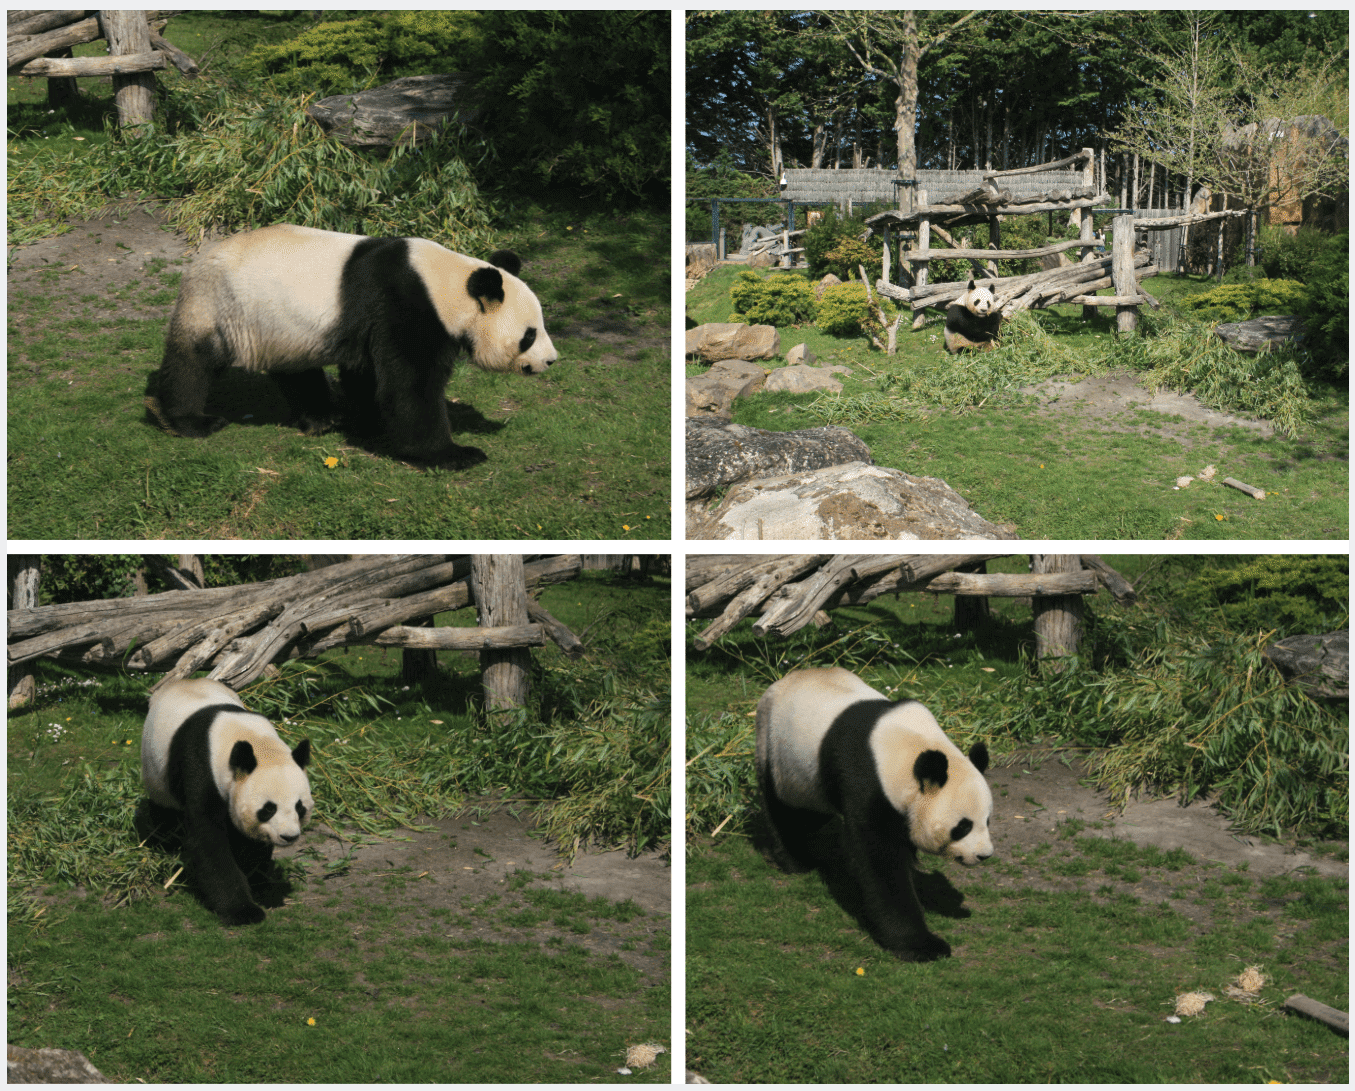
x,y
1113,401
480,858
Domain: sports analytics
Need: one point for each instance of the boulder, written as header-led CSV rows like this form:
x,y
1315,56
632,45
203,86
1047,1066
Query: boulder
x,y
1260,334
804,379
800,354
853,502
733,341
49,1066
720,454
713,393
413,109
1320,664
700,259
827,282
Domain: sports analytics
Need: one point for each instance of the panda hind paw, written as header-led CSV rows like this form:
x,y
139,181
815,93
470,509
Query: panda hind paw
x,y
242,914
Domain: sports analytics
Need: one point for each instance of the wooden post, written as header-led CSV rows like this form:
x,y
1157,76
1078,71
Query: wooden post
x,y
970,611
499,587
1085,223
128,33
921,268
1122,273
23,574
1058,618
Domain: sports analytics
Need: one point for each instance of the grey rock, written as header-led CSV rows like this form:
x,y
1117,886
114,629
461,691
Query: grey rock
x,y
1260,334
733,341
804,379
720,454
700,258
800,354
413,108
1321,664
713,393
853,502
50,1066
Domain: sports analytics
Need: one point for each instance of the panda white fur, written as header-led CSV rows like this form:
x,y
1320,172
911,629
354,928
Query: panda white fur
x,y
236,786
828,744
392,314
972,321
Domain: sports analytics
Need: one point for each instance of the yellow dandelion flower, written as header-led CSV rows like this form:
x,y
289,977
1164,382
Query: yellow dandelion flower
x,y
331,462
311,1021
860,971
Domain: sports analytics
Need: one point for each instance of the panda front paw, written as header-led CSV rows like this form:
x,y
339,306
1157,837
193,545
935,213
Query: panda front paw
x,y
248,913
928,949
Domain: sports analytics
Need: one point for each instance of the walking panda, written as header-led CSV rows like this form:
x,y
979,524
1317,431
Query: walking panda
x,y
828,744
392,314
972,321
222,770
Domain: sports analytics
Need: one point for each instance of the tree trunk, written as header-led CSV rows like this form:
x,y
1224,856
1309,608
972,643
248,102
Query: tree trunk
x,y
500,590
23,572
128,33
1058,618
905,109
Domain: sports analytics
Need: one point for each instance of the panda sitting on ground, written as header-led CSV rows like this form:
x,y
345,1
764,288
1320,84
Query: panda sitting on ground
x,y
828,744
220,770
972,321
392,314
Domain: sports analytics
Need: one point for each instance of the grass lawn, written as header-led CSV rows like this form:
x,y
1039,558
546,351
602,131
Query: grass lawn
x,y
581,451
1059,473
378,973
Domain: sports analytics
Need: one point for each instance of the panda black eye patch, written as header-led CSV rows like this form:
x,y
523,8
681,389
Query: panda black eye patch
x,y
300,810
267,811
962,829
528,339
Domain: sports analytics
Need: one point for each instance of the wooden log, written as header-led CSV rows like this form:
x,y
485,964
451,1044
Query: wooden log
x,y
565,640
971,253
499,587
133,89
21,24
176,56
1057,164
731,583
1335,1018
75,67
454,638
23,570
1187,219
931,211
1058,618
17,53
1122,264
1250,490
1116,584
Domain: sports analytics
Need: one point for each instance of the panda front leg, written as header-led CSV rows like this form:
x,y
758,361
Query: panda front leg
x,y
882,858
223,886
410,407
183,383
310,404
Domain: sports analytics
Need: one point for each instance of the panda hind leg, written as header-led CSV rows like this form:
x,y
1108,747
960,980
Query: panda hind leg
x,y
792,833
310,402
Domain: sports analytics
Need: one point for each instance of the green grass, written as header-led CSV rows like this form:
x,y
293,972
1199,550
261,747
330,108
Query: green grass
x,y
1065,476
364,992
579,452
1063,973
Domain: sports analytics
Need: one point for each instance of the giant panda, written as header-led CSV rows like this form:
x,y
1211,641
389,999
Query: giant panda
x,y
828,744
223,771
972,322
392,314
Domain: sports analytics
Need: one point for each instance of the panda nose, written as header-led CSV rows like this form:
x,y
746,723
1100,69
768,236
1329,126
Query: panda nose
x,y
981,857
290,838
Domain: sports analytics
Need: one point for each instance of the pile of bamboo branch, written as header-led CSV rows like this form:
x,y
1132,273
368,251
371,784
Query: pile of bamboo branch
x,y
238,632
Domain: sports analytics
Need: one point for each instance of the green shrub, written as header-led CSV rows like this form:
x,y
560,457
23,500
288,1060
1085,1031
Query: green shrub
x,y
783,299
337,57
1236,302
844,310
828,236
1290,594
850,254
1326,311
1292,257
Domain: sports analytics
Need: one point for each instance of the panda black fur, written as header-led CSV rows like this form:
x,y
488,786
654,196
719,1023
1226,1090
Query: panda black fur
x,y
972,321
828,744
222,770
392,314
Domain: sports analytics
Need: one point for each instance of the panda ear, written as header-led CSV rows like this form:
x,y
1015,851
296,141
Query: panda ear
x,y
486,285
242,760
506,260
302,754
931,768
978,756
971,284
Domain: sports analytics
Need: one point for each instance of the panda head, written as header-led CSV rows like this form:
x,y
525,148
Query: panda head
x,y
977,300
270,797
505,329
951,816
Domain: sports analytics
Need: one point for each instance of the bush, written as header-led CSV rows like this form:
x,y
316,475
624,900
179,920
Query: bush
x,y
1236,302
1292,257
833,234
1290,594
844,310
1326,311
783,299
